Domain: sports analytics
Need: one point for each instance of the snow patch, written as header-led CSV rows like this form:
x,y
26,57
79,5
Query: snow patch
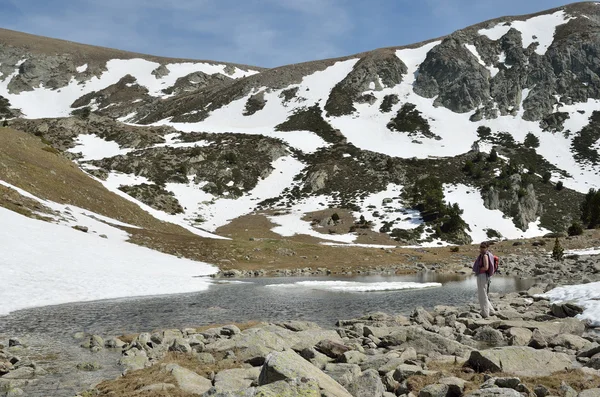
x,y
49,264
538,29
92,147
585,295
217,212
291,223
480,219
82,68
354,286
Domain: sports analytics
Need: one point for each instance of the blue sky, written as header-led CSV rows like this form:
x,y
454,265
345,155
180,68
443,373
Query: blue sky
x,y
256,32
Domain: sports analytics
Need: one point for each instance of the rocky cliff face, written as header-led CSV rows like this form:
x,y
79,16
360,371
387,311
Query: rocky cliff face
x,y
348,133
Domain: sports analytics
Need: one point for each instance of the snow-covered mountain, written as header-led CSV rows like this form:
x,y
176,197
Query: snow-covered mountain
x,y
201,144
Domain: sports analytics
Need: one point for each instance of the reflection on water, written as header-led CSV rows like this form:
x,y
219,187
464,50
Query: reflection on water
x,y
50,329
250,301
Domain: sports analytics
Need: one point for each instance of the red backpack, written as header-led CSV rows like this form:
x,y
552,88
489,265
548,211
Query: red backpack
x,y
494,264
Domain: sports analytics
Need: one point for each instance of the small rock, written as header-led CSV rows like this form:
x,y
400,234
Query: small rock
x,y
405,371
488,334
541,391
564,310
435,390
84,229
368,384
456,386
537,340
14,392
590,393
205,358
21,373
114,343
519,336
158,387
14,342
180,345
189,381
494,392
89,367
331,349
230,330
567,391
508,383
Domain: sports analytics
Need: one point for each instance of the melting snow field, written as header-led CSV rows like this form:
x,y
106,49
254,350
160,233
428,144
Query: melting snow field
x,y
538,29
221,211
590,251
292,224
44,102
47,264
93,147
479,218
586,295
354,286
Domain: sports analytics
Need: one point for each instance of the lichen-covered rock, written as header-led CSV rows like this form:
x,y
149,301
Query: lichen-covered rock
x,y
289,365
520,361
188,381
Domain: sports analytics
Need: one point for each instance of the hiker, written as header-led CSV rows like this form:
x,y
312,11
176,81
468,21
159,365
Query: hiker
x,y
481,268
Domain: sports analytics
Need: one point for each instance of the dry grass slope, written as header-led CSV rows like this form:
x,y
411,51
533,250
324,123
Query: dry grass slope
x,y
30,164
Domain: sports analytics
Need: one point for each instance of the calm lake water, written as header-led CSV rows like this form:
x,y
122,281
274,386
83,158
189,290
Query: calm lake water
x,y
49,330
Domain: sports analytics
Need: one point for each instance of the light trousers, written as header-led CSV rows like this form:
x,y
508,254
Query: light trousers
x,y
482,295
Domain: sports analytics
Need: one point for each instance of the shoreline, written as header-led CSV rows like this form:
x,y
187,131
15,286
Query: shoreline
x,y
360,344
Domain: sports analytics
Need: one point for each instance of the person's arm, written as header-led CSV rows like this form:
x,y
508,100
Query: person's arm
x,y
486,263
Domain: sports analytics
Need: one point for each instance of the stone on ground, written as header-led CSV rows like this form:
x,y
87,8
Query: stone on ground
x,y
288,365
189,381
520,361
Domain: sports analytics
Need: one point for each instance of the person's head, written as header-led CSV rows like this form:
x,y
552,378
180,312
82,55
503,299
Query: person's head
x,y
483,247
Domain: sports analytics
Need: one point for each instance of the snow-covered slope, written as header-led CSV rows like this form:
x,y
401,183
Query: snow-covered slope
x,y
502,84
46,263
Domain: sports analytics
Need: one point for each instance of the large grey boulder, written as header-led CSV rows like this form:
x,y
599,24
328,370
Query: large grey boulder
x,y
548,328
425,342
256,343
289,365
235,379
520,361
189,381
368,384
569,341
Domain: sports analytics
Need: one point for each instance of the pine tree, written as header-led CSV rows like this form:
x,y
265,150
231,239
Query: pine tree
x,y
493,156
558,251
531,141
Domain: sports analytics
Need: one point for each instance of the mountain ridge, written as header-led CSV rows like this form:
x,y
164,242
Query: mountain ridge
x,y
358,133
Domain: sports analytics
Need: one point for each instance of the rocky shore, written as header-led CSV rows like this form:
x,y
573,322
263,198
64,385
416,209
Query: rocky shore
x,y
573,269
530,348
